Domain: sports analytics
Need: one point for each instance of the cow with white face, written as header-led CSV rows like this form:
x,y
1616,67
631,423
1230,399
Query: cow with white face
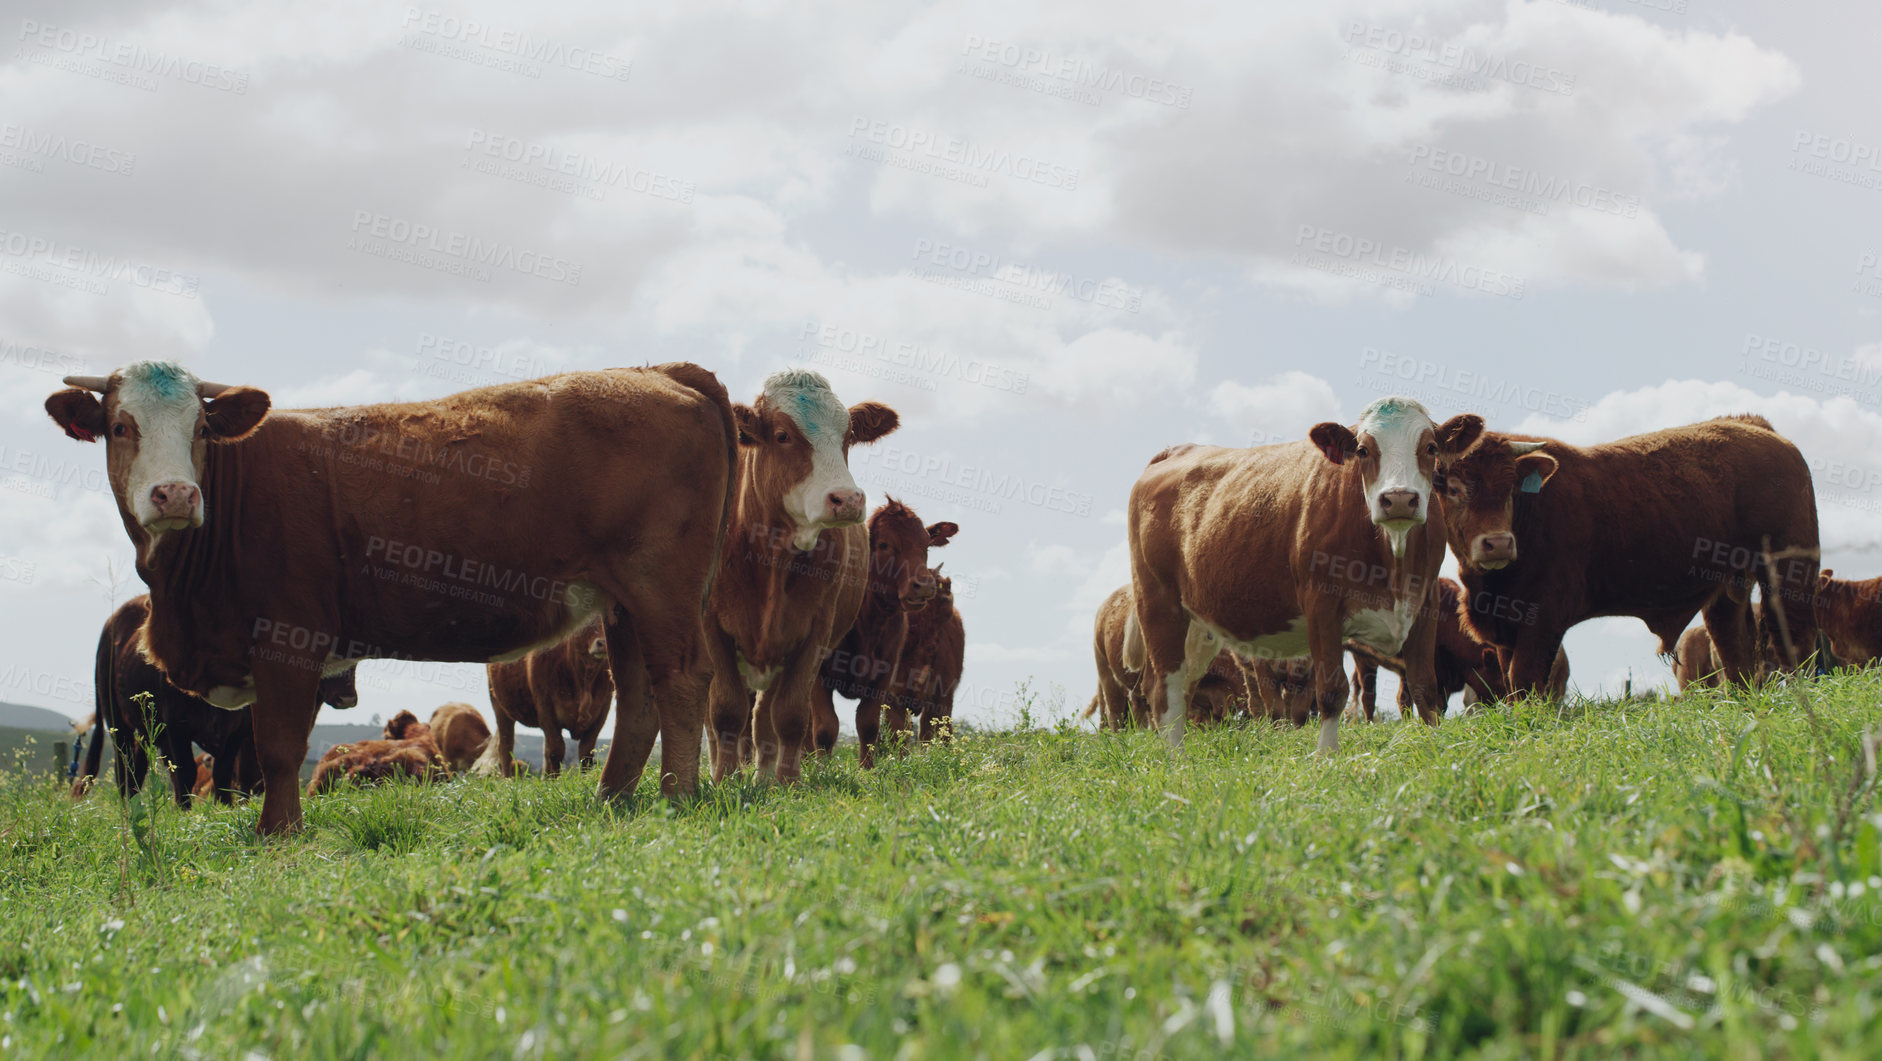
x,y
157,420
794,569
1282,553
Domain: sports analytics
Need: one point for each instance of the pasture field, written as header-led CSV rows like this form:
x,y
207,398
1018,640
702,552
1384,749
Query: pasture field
x,y
1603,879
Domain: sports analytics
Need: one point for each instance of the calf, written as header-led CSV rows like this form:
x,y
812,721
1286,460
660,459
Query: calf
x,y
862,668
1286,551
1660,526
1695,662
566,686
1120,694
930,668
287,545
461,735
413,756
792,573
1464,663
121,671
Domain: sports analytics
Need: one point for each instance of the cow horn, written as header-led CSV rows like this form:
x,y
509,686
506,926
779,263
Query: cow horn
x,y
206,389
1520,448
90,383
936,569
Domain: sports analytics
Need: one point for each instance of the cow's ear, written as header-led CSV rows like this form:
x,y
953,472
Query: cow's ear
x,y
1335,440
870,421
746,418
939,533
1533,470
78,412
234,414
1458,433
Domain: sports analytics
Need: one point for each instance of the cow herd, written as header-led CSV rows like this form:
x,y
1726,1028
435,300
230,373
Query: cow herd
x,y
632,536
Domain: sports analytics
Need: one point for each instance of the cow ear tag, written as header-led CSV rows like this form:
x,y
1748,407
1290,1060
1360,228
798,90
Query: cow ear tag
x,y
1532,484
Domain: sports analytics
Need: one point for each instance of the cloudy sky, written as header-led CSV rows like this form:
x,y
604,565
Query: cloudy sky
x,y
1056,237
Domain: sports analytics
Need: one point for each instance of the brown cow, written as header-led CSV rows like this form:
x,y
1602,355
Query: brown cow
x,y
1850,615
1695,662
1286,551
930,667
1464,663
565,686
862,668
1281,690
461,734
791,577
1659,526
1120,695
282,547
407,752
205,786
120,671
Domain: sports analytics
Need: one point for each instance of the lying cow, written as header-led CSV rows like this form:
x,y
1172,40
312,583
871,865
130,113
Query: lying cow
x,y
1850,615
1287,551
792,575
862,668
1463,662
408,752
930,667
1660,526
461,735
1120,696
121,671
565,686
280,548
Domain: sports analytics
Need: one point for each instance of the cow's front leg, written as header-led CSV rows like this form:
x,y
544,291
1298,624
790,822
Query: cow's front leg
x,y
283,717
1326,647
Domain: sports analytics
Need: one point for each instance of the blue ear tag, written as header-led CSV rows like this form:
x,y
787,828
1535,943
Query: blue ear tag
x,y
1533,484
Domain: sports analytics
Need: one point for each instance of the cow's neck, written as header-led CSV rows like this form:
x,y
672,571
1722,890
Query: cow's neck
x,y
181,568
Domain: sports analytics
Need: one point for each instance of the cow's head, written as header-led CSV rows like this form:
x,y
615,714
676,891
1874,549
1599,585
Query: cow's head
x,y
1480,491
341,690
800,436
598,643
1397,449
405,726
898,554
157,421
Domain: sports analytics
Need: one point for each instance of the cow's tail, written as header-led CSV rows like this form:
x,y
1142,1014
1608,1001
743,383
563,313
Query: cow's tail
x,y
708,386
1091,708
104,693
1135,653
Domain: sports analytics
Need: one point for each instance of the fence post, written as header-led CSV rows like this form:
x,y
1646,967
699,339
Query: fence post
x,y
58,758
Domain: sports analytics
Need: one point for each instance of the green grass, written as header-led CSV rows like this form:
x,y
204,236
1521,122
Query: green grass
x,y
1693,878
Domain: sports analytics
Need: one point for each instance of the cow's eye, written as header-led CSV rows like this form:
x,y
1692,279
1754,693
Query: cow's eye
x,y
1361,452
203,431
1431,449
784,437
118,430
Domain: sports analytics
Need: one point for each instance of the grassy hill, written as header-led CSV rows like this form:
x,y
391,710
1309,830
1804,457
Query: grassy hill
x,y
1697,878
22,716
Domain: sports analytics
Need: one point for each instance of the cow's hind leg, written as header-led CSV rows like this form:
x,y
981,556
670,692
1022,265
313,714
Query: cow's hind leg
x,y
1728,623
1788,622
177,752
554,749
636,720
824,728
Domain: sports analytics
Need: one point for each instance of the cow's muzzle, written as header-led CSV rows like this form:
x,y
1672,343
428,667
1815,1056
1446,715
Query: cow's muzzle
x,y
1398,506
177,505
1493,552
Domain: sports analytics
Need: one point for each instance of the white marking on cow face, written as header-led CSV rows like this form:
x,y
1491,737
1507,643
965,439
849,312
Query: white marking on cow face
x,y
828,496
1402,436
157,405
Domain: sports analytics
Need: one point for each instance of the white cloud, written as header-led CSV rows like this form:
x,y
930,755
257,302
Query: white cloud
x,y
1280,410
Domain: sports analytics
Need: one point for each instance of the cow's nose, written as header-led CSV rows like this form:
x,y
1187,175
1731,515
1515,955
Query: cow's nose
x,y
598,648
845,506
1398,504
1496,547
175,500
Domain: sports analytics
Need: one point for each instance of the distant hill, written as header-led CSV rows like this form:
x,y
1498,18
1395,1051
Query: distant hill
x,y
20,716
